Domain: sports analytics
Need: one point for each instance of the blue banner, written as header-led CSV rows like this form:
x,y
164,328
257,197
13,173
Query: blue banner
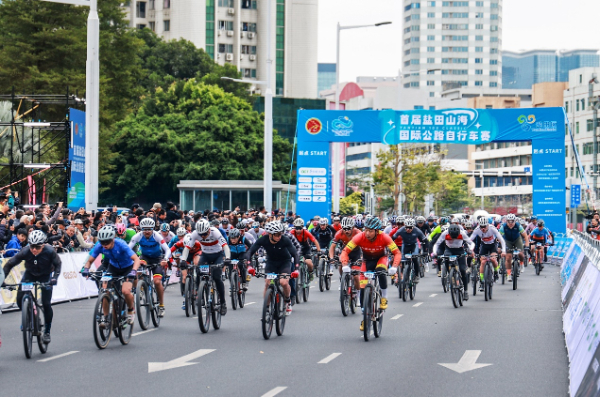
x,y
313,186
76,193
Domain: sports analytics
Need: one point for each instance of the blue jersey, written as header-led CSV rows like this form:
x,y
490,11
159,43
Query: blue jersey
x,y
173,241
119,256
539,236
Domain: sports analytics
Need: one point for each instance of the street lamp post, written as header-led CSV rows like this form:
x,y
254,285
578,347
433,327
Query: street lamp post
x,y
334,155
92,100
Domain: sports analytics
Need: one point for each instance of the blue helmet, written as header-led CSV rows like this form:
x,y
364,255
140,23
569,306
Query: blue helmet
x,y
359,224
165,227
373,223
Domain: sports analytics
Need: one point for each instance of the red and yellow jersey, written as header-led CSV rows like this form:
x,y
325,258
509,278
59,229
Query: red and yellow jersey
x,y
341,236
398,241
303,236
372,250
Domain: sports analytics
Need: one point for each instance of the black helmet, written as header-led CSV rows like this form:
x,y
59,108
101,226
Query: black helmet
x,y
540,223
454,231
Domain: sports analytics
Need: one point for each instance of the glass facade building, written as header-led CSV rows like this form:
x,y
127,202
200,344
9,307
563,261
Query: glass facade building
x,y
521,70
326,76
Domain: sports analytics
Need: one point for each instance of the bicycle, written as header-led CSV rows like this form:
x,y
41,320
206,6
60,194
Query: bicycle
x,y
302,282
475,273
209,301
237,293
502,270
488,277
407,287
454,280
324,272
372,314
111,298
274,304
32,315
516,266
348,293
190,289
539,257
146,297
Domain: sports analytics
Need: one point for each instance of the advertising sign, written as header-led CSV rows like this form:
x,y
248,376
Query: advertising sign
x,y
76,192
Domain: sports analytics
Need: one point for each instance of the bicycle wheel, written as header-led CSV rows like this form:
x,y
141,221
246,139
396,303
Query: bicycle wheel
x,y
153,298
241,296
344,297
102,326
515,275
353,300
233,281
377,324
125,330
268,312
489,280
421,268
142,305
306,289
444,277
280,315
194,297
187,296
40,330
321,274
412,287
368,307
27,324
399,285
474,279
538,265
299,284
203,307
216,307
503,271
405,283
327,279
453,288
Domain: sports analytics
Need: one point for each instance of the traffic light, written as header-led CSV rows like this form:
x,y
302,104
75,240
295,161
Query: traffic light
x,y
362,199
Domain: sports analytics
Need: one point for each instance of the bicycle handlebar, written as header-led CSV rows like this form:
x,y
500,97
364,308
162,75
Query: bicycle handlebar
x,y
279,276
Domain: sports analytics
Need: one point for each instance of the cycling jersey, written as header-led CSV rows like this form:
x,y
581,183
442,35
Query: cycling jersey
x,y
119,256
410,239
540,236
341,236
255,234
323,236
152,247
372,250
282,251
454,242
248,237
398,239
212,243
238,251
174,241
46,262
304,237
437,230
511,233
489,236
424,228
179,246
129,233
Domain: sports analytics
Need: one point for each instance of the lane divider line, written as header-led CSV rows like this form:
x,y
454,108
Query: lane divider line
x,y
397,316
274,391
432,295
59,356
329,358
144,332
417,304
249,303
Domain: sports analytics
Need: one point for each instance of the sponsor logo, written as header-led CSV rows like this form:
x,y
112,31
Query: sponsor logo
x,y
313,126
342,126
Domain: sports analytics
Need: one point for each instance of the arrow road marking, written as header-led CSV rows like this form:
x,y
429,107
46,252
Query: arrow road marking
x,y
55,357
178,362
466,363
417,304
329,358
275,391
397,316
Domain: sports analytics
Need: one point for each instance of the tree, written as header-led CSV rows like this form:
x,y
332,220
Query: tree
x,y
190,131
348,204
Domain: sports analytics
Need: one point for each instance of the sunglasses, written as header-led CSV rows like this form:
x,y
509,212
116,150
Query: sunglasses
x,y
347,229
408,227
147,230
36,246
276,234
105,243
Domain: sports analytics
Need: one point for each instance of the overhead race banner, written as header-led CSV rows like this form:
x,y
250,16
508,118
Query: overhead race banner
x,y
76,193
544,127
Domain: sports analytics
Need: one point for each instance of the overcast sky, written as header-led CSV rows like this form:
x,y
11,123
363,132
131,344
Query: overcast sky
x,y
527,24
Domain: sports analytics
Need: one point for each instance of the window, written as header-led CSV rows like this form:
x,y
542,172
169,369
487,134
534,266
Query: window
x,y
455,71
494,39
140,9
430,83
567,107
248,49
455,38
479,26
166,25
493,84
414,61
225,25
479,3
431,95
478,60
494,17
455,60
246,27
167,4
478,49
577,127
430,60
431,15
493,61
430,38
583,104
577,101
359,156
588,148
430,49
152,26
479,15
417,28
414,39
478,83
226,3
493,50
418,107
414,84
431,26
494,5
455,49
493,73
455,26
455,3
250,73
225,48
455,15
431,3
494,28
415,16
478,71
249,4
478,38
566,152
414,50
151,4
140,26
580,80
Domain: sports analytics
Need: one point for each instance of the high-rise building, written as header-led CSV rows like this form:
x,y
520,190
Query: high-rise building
x,y
326,76
521,70
235,32
449,44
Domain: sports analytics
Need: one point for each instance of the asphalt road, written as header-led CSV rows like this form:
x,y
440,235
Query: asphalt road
x,y
519,333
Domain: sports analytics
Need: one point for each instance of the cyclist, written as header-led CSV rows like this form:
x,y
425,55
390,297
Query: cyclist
x,y
440,251
336,224
541,235
304,237
343,236
373,244
180,234
431,223
256,230
423,226
438,229
324,234
155,252
42,264
410,235
195,251
239,246
122,261
455,238
391,225
243,227
214,246
490,237
124,233
514,235
280,252
166,233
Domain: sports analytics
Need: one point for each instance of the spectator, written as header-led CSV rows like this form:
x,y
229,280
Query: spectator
x,y
17,241
13,199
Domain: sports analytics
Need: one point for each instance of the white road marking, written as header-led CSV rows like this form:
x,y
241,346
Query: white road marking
x,y
312,286
178,362
468,362
329,358
59,356
274,391
249,303
417,304
397,316
432,295
144,332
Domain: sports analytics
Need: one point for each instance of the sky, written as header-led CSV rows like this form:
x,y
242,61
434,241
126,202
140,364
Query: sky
x,y
377,51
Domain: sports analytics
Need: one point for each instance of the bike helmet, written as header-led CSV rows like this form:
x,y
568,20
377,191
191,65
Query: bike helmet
x,y
359,217
181,232
454,231
373,223
202,226
455,221
430,219
359,224
147,223
392,219
337,218
533,218
38,237
540,223
164,227
482,221
188,241
348,223
234,233
323,221
225,221
420,219
106,233
274,227
215,223
444,228
120,228
497,218
464,221
409,223
443,220
400,219
298,222
511,218
241,225
256,224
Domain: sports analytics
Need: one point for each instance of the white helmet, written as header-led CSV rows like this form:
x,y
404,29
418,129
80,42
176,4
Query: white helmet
x,y
497,218
511,217
455,220
348,223
147,223
202,226
299,222
181,231
400,219
323,221
420,219
482,221
445,227
255,224
107,233
410,222
188,241
359,217
274,227
38,237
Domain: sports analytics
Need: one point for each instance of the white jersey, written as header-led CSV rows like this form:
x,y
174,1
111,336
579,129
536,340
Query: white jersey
x,y
453,242
152,246
489,236
256,235
388,229
251,239
212,243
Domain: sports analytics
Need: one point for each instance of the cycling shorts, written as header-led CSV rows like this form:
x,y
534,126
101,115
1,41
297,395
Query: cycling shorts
x,y
517,244
117,272
211,258
154,265
279,267
306,252
488,249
